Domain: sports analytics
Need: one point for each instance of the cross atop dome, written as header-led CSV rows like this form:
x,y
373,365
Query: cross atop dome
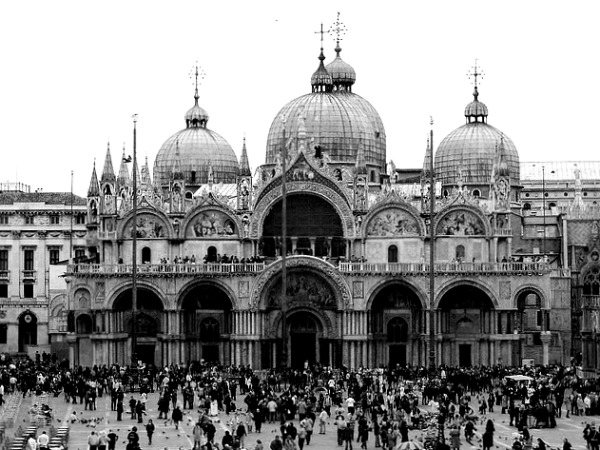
x,y
196,72
474,74
339,29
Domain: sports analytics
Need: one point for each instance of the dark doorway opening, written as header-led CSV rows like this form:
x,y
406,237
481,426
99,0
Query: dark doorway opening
x,y
464,355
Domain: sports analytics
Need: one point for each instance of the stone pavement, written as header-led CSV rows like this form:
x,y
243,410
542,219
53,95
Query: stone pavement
x,y
166,436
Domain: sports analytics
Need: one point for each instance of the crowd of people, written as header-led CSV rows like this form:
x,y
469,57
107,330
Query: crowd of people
x,y
374,407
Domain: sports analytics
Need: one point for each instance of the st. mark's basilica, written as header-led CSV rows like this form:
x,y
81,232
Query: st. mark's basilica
x,y
514,246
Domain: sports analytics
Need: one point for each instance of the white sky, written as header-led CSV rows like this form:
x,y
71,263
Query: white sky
x,y
73,73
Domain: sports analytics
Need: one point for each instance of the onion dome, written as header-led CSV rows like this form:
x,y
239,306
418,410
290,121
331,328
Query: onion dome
x,y
343,75
194,149
476,109
337,120
321,79
471,150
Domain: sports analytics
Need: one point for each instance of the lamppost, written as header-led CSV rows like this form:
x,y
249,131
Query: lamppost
x,y
134,250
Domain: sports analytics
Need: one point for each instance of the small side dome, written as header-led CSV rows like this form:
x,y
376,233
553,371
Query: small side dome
x,y
321,80
476,109
196,117
342,74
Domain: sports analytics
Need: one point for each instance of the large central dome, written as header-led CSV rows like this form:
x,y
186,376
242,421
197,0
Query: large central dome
x,y
192,151
339,121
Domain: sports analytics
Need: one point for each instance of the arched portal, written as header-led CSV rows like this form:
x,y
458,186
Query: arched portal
x,y
207,312
148,321
27,330
397,321
465,317
305,332
313,228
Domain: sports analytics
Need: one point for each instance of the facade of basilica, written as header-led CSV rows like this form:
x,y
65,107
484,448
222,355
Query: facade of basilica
x,y
515,264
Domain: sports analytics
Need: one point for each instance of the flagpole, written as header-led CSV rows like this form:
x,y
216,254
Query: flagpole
x,y
134,251
71,234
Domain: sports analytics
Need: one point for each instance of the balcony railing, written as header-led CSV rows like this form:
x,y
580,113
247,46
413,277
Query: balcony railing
x,y
164,269
4,275
519,268
28,274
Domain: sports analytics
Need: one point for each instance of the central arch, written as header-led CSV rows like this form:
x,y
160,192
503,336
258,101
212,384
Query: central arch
x,y
314,228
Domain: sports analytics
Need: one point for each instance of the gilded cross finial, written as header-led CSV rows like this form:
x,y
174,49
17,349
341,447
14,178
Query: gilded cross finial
x,y
195,73
321,33
475,73
339,29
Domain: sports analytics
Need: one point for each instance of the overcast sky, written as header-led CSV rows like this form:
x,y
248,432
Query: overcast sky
x,y
73,73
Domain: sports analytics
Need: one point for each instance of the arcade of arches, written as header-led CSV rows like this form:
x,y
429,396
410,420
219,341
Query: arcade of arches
x,y
469,329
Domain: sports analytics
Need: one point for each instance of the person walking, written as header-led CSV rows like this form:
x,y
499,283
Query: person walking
x,y
323,418
198,434
176,416
112,439
150,430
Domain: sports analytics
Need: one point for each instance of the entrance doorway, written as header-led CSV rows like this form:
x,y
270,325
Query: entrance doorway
x,y
27,330
145,353
303,339
397,355
464,355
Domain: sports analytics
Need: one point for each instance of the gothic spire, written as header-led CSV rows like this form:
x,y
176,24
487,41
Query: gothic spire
x,y
108,174
94,189
244,164
124,178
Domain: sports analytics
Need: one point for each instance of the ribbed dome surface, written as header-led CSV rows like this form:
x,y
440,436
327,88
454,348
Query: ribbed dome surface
x,y
472,149
198,148
340,122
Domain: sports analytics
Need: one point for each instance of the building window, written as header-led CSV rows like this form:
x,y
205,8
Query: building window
x,y
54,255
526,206
591,282
28,255
3,290
3,259
539,318
54,219
476,193
3,333
28,290
80,220
146,255
460,253
392,254
3,220
28,220
79,252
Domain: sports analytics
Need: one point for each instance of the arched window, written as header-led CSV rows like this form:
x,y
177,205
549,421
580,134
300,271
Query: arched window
x,y
211,254
460,252
526,206
392,254
476,193
210,330
397,330
189,195
372,178
591,282
146,255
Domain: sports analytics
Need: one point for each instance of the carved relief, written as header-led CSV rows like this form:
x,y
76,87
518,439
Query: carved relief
x,y
358,289
393,222
342,289
212,223
302,288
460,223
148,227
